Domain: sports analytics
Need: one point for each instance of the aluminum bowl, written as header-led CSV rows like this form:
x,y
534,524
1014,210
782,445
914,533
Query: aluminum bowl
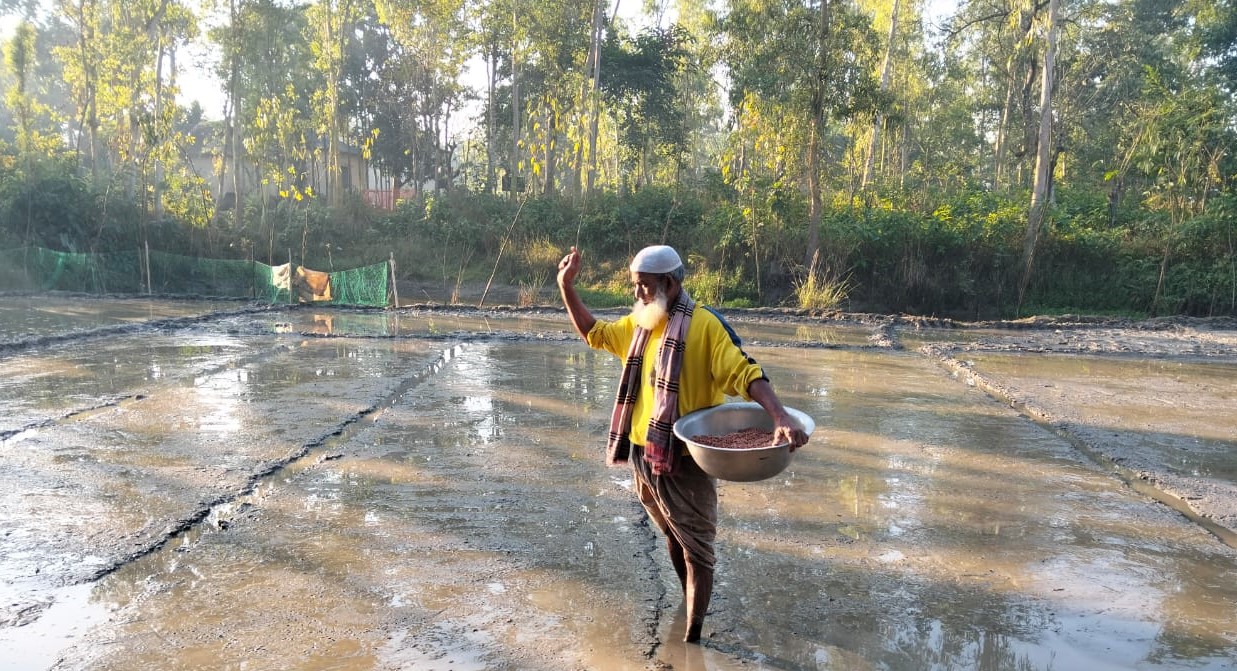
x,y
736,464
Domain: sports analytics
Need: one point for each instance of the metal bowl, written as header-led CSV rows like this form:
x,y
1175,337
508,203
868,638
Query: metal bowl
x,y
736,464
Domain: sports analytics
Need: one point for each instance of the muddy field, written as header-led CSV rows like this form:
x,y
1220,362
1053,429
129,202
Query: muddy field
x,y
206,485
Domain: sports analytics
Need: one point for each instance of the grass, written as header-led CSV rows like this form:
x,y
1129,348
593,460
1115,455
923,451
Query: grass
x,y
821,289
604,297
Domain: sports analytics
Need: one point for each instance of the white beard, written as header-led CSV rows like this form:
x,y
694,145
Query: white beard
x,y
650,316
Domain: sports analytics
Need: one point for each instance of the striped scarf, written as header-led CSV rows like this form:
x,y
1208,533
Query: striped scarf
x,y
659,449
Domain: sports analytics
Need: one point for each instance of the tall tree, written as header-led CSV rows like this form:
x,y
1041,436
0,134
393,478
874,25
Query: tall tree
x,y
330,23
432,38
1044,156
640,85
885,77
267,61
81,64
493,31
816,62
1181,141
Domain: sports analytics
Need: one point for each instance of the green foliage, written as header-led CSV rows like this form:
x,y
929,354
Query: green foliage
x,y
717,286
962,259
639,80
606,296
616,226
56,213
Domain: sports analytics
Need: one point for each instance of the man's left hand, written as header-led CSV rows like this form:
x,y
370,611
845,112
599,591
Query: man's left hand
x,y
788,430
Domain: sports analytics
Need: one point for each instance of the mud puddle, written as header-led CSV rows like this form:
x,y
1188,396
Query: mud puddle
x,y
470,523
24,317
1170,425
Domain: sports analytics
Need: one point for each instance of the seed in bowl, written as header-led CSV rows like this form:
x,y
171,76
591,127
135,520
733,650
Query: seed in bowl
x,y
744,439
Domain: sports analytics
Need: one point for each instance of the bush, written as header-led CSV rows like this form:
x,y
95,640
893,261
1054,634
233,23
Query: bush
x,y
821,288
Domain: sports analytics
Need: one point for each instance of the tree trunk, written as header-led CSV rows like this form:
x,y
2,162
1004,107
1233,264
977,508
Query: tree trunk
x,y
234,138
158,185
513,171
1043,155
550,123
886,74
90,109
594,103
815,204
1002,130
491,64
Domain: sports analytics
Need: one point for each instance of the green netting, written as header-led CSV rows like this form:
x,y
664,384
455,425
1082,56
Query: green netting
x,y
32,268
35,269
367,285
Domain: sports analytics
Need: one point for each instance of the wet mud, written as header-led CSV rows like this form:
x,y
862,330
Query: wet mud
x,y
423,488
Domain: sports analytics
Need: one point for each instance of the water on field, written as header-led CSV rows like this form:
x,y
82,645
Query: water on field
x,y
352,489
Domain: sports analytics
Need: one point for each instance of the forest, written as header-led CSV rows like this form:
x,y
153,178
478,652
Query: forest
x,y
972,159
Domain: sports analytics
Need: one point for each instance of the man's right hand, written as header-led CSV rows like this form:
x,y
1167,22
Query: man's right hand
x,y
568,268
581,319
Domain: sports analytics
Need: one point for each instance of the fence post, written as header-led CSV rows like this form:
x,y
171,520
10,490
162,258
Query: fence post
x,y
149,289
394,286
291,272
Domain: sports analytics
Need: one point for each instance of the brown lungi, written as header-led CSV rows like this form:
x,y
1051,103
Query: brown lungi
x,y
683,505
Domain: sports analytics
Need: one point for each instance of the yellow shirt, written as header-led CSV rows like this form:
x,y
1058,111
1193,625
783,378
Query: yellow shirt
x,y
713,366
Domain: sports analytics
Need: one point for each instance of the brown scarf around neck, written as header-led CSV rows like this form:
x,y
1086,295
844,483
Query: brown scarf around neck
x,y
659,449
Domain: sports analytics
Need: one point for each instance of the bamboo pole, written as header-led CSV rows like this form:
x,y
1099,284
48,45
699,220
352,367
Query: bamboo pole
x,y
394,286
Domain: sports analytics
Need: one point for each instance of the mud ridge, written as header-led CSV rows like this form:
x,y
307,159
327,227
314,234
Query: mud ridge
x,y
653,617
72,414
211,510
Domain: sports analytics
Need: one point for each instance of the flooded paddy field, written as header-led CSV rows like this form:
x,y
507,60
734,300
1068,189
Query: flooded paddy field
x,y
240,487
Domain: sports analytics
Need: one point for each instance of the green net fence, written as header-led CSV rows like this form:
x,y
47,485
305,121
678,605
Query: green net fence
x,y
36,269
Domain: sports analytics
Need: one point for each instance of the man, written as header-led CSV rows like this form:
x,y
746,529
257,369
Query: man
x,y
677,359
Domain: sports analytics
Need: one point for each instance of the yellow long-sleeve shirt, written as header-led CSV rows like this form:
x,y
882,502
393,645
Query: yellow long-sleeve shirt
x,y
713,365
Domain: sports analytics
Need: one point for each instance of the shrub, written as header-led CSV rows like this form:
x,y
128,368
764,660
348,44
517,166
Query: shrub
x,y
821,289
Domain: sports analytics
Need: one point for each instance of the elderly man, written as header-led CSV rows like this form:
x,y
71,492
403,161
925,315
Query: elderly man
x,y
677,359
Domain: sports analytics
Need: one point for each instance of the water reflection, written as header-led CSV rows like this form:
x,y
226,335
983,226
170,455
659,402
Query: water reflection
x,y
404,323
954,507
756,331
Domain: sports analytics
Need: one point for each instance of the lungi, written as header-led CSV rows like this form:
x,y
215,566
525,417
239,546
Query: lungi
x,y
683,505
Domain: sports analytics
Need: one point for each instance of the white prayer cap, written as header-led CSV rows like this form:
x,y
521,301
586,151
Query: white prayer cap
x,y
657,260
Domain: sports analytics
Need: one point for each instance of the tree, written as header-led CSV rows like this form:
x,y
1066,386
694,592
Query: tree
x,y
429,40
1044,156
330,23
886,75
493,32
20,60
812,63
1180,141
1215,23
19,56
267,64
639,83
81,63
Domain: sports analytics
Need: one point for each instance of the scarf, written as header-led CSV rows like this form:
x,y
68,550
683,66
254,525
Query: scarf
x,y
659,450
